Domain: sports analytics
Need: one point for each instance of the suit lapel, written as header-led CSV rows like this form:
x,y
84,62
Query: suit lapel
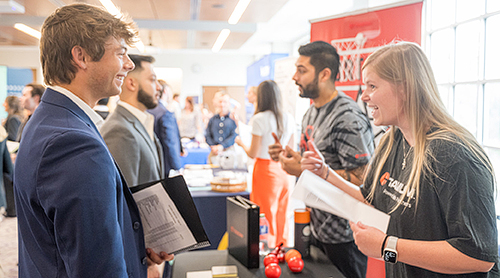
x,y
139,127
159,150
58,99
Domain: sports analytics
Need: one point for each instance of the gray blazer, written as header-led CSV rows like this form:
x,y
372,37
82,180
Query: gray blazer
x,y
139,158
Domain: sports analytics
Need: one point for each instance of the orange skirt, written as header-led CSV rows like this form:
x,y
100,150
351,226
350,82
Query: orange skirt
x,y
270,192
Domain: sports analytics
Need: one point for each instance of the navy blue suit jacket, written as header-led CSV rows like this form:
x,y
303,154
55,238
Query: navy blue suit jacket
x,y
167,131
76,215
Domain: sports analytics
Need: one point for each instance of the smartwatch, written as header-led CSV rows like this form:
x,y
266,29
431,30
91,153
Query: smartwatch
x,y
390,253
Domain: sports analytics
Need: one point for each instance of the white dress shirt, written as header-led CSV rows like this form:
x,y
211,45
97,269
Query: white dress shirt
x,y
96,119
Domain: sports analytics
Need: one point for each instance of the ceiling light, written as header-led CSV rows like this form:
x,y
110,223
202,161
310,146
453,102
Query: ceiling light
x,y
238,11
28,30
110,7
221,39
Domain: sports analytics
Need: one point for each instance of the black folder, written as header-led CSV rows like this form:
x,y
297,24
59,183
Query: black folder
x,y
178,192
243,230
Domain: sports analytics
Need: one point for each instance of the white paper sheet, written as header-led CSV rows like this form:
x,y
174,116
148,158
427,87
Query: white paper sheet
x,y
164,228
12,146
318,193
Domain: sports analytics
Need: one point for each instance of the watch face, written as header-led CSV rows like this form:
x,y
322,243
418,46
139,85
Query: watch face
x,y
390,256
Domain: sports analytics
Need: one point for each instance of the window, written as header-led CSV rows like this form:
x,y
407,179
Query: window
x,y
463,44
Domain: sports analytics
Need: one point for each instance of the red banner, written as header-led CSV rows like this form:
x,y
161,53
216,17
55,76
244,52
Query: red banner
x,y
356,35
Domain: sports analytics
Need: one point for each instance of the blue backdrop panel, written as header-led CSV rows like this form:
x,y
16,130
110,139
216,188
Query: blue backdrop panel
x,y
17,78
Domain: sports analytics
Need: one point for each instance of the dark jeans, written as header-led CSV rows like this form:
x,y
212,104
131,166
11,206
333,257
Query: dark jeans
x,y
345,256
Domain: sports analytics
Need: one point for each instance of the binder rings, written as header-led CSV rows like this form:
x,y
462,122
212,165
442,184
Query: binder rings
x,y
243,230
169,217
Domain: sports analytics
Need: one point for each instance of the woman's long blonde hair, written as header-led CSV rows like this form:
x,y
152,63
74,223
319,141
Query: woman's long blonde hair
x,y
405,64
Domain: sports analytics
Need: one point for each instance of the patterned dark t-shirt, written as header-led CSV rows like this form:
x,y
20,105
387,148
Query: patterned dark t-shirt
x,y
344,136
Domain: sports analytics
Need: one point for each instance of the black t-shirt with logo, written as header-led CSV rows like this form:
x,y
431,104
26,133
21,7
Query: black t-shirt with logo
x,y
455,204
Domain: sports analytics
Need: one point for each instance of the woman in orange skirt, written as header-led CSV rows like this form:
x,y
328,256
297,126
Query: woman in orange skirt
x,y
269,181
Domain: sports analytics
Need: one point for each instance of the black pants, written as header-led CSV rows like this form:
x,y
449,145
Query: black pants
x,y
345,256
9,196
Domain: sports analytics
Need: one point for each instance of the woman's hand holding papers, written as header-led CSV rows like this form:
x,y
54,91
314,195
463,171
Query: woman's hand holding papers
x,y
314,161
368,239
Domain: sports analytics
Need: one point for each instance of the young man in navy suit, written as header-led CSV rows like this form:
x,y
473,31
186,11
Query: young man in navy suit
x,y
76,215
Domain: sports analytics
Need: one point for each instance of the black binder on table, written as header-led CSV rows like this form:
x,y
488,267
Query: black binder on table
x,y
177,191
243,230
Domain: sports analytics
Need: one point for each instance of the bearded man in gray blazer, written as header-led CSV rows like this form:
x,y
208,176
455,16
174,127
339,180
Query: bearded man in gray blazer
x,y
129,130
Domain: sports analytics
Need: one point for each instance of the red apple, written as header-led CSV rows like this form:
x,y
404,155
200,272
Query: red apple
x,y
296,264
270,258
272,270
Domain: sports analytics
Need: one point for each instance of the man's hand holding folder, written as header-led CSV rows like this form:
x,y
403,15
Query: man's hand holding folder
x,y
169,217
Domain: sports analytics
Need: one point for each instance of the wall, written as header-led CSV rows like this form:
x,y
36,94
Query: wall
x,y
22,57
207,69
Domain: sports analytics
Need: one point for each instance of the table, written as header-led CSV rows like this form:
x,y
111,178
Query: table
x,y
211,207
204,260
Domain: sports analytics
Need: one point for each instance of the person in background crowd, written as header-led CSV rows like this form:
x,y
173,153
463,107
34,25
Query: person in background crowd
x,y
32,95
269,181
429,173
206,114
71,199
175,105
15,116
190,121
166,129
14,119
221,129
102,108
252,100
6,168
252,96
344,137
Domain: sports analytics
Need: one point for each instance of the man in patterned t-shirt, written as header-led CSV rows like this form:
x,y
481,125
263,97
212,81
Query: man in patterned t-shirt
x,y
343,135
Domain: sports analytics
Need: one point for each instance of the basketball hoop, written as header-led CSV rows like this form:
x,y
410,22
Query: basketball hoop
x,y
349,50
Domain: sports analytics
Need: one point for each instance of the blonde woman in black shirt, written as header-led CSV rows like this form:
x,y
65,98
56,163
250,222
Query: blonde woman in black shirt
x,y
429,173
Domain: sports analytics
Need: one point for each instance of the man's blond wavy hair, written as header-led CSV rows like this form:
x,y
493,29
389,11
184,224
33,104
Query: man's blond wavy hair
x,y
83,25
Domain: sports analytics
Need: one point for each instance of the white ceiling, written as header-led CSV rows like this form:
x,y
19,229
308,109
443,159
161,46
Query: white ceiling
x,y
193,25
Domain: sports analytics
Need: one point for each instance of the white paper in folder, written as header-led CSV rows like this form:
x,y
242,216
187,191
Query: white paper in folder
x,y
318,193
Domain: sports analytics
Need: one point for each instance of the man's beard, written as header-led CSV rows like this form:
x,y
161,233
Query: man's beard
x,y
311,90
148,101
